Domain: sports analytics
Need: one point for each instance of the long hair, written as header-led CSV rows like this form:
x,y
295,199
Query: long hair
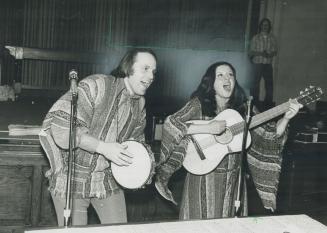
x,y
125,66
265,20
205,92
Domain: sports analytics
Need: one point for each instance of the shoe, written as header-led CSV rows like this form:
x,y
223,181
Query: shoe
x,y
164,192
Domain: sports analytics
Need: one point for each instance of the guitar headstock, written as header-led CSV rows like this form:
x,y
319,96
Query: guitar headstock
x,y
309,95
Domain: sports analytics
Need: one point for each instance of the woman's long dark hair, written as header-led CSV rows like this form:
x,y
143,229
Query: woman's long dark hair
x,y
206,92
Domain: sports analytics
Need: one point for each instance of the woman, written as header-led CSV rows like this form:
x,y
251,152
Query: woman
x,y
213,195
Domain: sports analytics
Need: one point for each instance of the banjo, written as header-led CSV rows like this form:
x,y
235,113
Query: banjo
x,y
136,174
205,151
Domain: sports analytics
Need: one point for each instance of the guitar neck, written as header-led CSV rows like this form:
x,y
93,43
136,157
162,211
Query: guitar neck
x,y
268,115
260,118
309,95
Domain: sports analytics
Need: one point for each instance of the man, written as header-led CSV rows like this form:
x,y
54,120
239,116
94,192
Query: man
x,y
263,48
110,110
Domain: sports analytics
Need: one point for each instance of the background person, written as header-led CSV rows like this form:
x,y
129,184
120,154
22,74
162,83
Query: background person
x,y
263,49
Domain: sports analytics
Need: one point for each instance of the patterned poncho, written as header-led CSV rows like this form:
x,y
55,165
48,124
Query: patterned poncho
x,y
213,195
102,102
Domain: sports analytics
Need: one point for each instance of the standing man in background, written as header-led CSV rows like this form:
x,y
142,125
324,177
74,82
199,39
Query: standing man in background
x,y
263,49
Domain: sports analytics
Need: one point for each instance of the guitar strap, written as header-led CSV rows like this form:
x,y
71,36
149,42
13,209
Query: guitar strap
x,y
197,147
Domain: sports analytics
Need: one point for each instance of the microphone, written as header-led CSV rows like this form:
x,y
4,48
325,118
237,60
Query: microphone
x,y
249,107
73,81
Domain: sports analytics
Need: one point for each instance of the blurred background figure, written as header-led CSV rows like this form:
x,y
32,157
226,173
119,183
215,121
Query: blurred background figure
x,y
263,49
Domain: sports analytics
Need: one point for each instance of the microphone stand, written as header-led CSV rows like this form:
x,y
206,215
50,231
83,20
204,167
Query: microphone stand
x,y
71,155
241,176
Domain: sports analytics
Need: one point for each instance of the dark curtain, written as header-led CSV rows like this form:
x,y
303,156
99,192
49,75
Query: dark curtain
x,y
112,27
189,24
74,25
11,26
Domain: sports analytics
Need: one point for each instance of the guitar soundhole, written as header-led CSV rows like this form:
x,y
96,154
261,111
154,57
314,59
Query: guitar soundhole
x,y
225,137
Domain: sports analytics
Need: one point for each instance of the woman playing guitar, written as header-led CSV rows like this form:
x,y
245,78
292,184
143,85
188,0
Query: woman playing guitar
x,y
212,195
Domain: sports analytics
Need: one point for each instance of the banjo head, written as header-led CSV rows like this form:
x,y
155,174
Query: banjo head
x,y
135,175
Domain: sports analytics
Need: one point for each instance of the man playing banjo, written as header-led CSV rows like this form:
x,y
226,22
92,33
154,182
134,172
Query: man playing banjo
x,y
110,111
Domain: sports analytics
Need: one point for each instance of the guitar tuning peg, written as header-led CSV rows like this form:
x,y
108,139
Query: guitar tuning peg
x,y
301,92
311,86
306,89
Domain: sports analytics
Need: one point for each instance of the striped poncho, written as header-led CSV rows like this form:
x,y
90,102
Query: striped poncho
x,y
102,102
213,195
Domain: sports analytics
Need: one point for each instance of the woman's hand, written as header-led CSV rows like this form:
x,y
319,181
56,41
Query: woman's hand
x,y
209,127
289,114
217,127
293,109
115,152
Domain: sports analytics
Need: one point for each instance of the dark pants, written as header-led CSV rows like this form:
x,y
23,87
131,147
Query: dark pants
x,y
264,71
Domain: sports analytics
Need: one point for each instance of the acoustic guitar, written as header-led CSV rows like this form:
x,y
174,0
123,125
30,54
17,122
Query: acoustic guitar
x,y
205,151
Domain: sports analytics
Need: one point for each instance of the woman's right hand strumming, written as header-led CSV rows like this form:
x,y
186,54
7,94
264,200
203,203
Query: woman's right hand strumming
x,y
217,127
209,127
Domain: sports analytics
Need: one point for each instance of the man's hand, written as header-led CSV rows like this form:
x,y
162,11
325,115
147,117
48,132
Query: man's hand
x,y
265,54
115,152
268,54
